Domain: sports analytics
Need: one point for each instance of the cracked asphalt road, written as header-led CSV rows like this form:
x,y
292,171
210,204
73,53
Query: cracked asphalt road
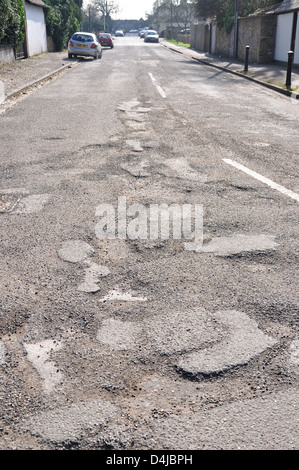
x,y
138,343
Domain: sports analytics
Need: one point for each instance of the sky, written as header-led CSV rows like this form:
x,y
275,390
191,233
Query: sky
x,y
132,9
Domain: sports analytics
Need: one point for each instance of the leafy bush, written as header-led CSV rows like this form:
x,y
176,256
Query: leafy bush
x,y
12,22
62,19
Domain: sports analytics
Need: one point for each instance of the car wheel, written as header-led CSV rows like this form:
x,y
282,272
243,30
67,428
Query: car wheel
x,y
70,56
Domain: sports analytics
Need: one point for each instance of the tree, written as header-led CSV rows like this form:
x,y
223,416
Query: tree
x,y
63,18
91,19
184,12
178,12
12,22
223,9
107,8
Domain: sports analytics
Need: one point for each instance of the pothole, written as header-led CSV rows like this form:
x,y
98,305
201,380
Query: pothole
x,y
75,251
237,244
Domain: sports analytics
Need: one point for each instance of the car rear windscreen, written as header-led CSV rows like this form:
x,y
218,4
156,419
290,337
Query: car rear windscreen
x,y
82,38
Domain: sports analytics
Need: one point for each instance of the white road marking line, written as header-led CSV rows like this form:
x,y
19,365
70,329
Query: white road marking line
x,y
160,90
263,179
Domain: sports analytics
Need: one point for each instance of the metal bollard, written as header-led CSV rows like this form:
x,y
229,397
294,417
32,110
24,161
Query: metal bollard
x,y
289,70
246,59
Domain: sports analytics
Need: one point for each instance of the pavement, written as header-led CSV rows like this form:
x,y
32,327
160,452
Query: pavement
x,y
18,76
272,76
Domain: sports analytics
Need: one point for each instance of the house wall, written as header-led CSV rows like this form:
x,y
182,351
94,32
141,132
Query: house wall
x,y
36,30
296,55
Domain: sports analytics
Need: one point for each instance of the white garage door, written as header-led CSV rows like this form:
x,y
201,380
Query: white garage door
x,y
283,36
36,30
296,57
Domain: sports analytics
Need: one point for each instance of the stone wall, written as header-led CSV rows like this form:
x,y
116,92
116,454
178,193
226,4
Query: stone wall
x,y
249,35
267,42
185,38
197,36
225,42
258,32
7,55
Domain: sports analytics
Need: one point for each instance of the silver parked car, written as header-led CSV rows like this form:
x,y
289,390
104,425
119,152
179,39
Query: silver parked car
x,y
151,36
84,44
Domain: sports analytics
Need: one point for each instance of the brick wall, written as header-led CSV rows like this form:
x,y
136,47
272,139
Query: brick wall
x,y
258,32
267,44
224,42
249,35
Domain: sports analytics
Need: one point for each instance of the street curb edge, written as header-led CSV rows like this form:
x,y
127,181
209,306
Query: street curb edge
x,y
39,80
290,94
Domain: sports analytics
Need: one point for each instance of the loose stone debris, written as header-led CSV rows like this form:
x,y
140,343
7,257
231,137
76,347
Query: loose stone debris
x,y
7,203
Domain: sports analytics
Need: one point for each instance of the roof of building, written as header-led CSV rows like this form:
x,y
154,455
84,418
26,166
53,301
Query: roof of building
x,y
38,3
287,5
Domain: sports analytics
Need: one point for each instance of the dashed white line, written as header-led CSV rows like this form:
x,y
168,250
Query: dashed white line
x,y
263,179
160,90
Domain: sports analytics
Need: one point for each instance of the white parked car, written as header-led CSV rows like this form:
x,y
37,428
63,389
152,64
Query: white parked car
x,y
151,36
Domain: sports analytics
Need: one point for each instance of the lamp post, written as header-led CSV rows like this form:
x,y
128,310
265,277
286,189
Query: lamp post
x,y
105,11
171,7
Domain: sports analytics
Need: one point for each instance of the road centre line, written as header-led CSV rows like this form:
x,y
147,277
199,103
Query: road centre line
x,y
160,90
263,179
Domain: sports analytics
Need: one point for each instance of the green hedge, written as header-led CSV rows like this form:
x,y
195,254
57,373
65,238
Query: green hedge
x,y
62,19
12,22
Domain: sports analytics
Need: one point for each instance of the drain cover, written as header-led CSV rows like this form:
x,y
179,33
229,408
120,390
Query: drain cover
x,y
7,203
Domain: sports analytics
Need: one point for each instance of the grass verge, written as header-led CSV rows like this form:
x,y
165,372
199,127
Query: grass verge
x,y
177,43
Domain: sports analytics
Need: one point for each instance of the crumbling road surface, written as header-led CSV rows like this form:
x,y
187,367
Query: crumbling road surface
x,y
114,333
